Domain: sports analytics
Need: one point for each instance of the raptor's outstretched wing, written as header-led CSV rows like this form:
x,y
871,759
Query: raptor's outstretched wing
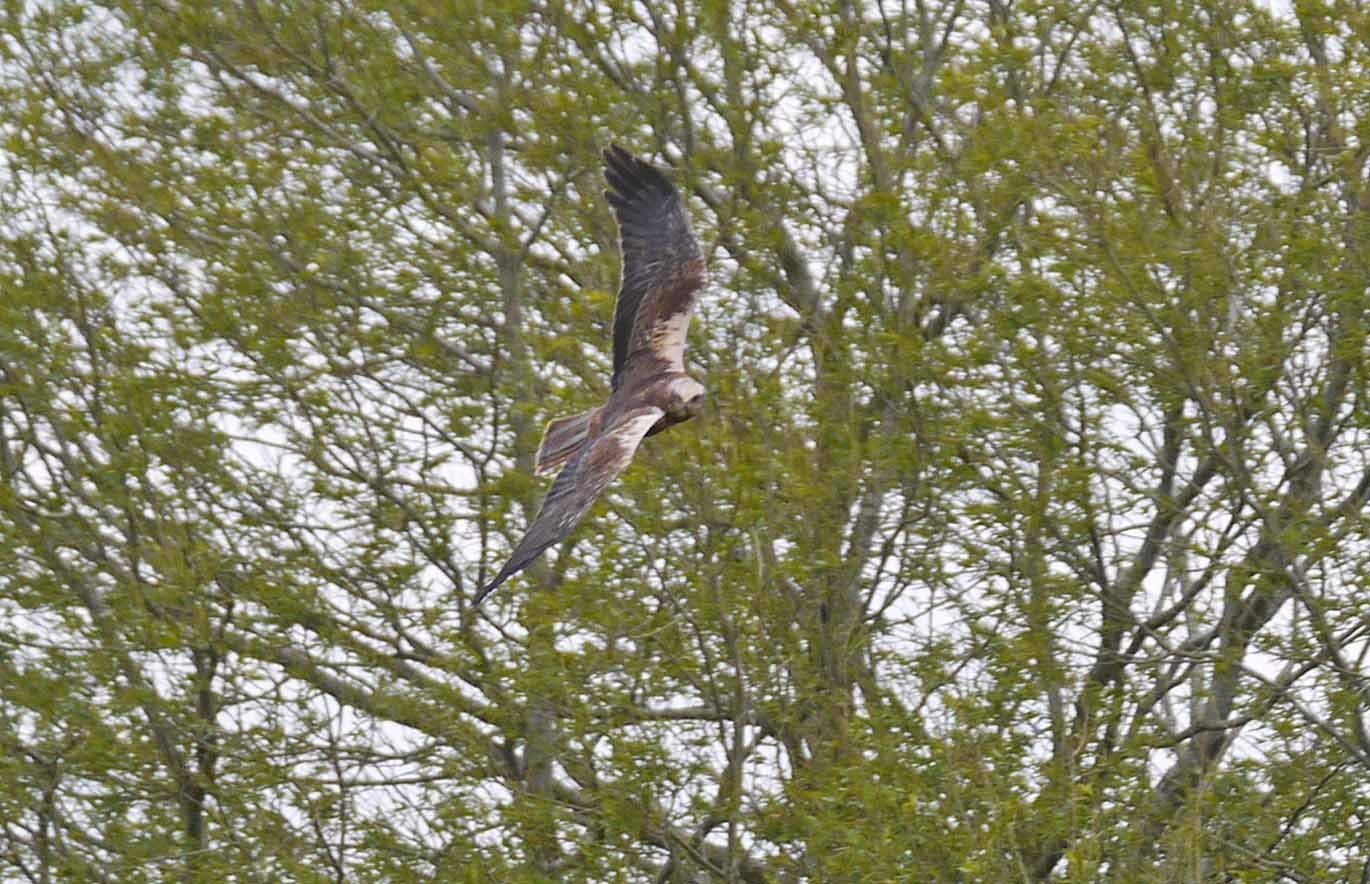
x,y
599,461
662,264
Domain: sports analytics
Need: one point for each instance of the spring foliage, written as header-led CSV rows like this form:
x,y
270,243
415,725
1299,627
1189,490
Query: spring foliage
x,y
1023,537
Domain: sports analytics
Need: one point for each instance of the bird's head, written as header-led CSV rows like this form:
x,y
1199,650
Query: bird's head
x,y
687,400
694,406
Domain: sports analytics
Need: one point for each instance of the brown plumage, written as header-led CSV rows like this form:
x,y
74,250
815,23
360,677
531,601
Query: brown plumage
x,y
662,271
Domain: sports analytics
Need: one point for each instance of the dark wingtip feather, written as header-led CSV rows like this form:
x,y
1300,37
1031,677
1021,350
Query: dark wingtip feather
x,y
522,558
509,570
488,588
631,178
616,158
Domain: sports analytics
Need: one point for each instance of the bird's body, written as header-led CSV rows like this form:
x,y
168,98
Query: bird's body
x,y
650,391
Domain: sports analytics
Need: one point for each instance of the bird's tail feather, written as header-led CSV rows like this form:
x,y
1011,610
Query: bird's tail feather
x,y
562,439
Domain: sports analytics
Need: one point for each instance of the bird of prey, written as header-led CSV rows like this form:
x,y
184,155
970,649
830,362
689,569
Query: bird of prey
x,y
649,390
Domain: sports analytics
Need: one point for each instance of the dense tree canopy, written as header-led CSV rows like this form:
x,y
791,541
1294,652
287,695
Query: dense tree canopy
x,y
1023,538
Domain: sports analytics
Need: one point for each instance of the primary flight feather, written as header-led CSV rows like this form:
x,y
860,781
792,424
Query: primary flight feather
x,y
650,391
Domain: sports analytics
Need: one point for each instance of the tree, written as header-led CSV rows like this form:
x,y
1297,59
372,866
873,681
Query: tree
x,y
1023,538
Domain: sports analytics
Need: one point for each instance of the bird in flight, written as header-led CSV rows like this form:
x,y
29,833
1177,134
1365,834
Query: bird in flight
x,y
649,391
